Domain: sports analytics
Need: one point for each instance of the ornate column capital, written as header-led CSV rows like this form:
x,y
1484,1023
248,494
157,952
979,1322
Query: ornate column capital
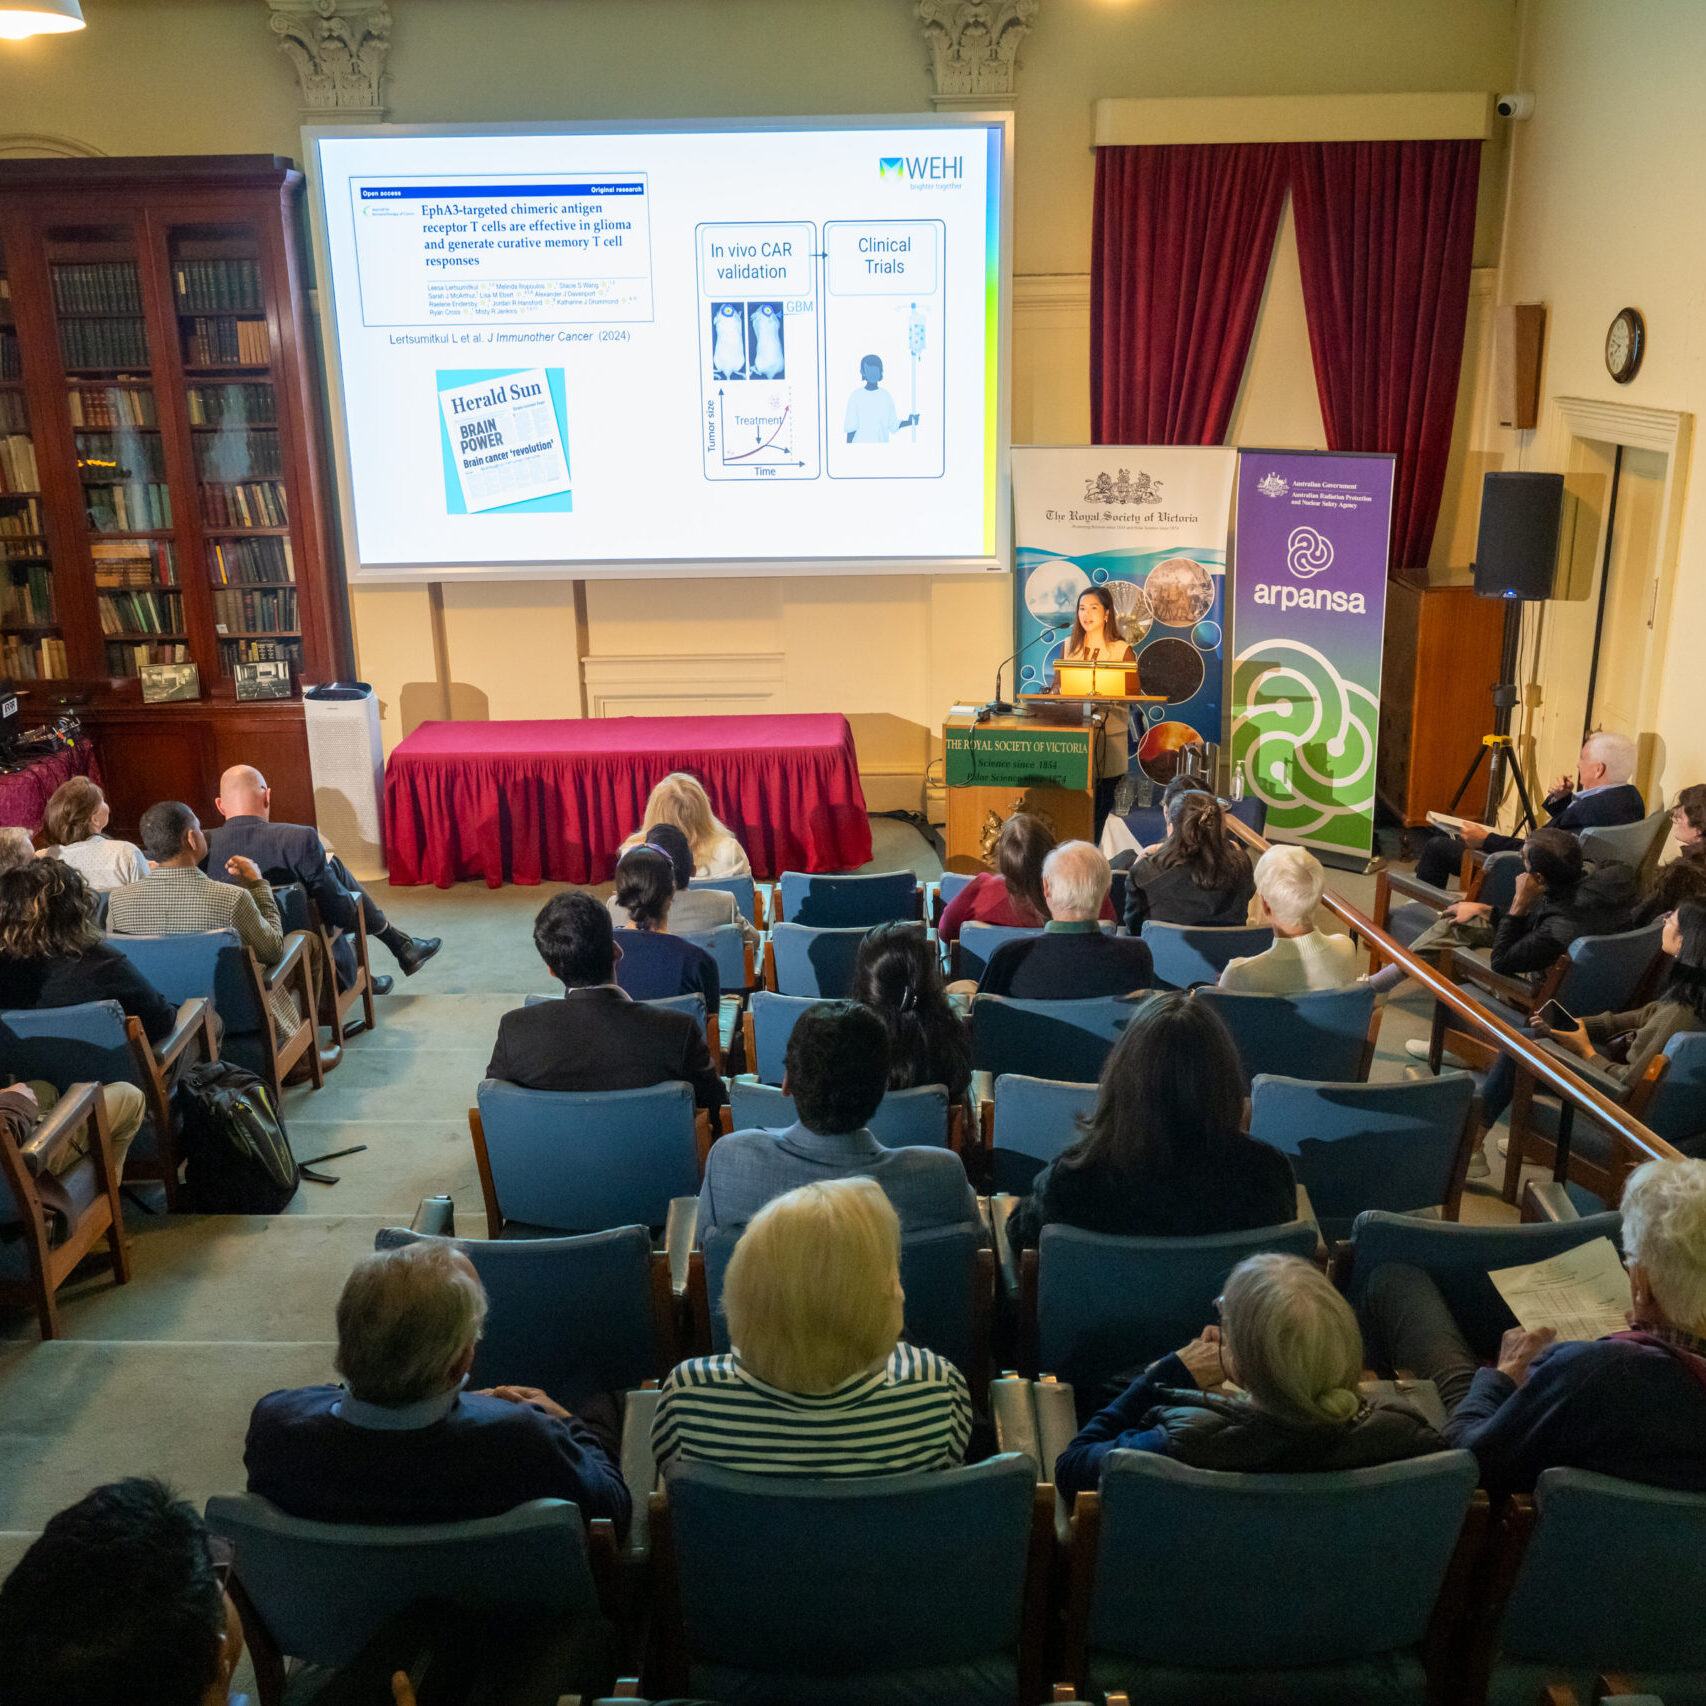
x,y
338,48
974,48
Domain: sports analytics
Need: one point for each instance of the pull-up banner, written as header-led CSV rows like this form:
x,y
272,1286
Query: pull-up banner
x,y
1149,523
1312,536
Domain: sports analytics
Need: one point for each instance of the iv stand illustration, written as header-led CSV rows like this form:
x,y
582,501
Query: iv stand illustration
x,y
915,343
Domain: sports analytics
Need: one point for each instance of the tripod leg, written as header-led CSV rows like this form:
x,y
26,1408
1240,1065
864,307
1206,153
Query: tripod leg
x,y
1468,777
1522,790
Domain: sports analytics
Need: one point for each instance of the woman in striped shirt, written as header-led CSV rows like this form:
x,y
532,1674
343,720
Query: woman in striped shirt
x,y
818,1383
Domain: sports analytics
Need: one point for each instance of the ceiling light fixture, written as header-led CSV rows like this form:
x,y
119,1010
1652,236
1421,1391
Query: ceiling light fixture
x,y
21,18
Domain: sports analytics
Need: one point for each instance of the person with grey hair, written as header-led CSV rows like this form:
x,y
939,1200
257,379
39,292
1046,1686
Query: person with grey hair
x,y
1290,1344
1289,884
401,1440
1632,1404
16,850
1072,959
1598,796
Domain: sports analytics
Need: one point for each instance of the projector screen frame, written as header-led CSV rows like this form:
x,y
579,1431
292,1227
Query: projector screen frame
x,y
325,303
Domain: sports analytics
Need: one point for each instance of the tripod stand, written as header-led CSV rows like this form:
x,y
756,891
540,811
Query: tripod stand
x,y
1498,748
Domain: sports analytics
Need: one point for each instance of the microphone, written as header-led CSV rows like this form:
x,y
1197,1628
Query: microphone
x,y
999,707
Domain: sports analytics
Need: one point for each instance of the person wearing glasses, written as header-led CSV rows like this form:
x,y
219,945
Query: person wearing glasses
x,y
1291,1346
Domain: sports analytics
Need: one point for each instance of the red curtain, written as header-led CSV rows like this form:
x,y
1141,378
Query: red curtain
x,y
1385,237
1182,241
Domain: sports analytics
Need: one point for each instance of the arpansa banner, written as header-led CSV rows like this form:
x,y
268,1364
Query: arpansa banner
x,y
1312,536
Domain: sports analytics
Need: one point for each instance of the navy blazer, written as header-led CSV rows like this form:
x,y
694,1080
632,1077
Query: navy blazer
x,y
1604,808
1067,965
285,853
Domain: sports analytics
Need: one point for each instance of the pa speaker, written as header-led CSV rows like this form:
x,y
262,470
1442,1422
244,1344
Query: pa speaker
x,y
1516,555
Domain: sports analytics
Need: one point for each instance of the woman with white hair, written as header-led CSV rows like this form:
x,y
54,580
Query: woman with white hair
x,y
1289,882
1632,1404
1289,1344
818,1382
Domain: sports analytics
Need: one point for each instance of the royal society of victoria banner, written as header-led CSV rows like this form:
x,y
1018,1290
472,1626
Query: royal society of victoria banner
x,y
1148,522
1312,535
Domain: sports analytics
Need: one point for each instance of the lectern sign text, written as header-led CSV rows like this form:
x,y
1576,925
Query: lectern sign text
x,y
1018,758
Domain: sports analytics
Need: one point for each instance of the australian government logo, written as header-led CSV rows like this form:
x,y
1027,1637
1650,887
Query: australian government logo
x,y
1272,486
1308,553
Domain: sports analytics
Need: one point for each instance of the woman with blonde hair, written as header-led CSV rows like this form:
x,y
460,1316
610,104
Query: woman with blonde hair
x,y
1290,1345
680,799
74,826
818,1382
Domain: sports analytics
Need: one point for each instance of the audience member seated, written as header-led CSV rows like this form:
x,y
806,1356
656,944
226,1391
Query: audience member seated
x,y
1290,1343
1684,877
1165,1154
177,899
73,827
596,1037
1600,795
1289,881
644,897
1011,894
680,799
17,850
1072,959
695,911
401,1441
899,977
294,853
837,1070
1631,1405
1198,875
818,1382
118,1600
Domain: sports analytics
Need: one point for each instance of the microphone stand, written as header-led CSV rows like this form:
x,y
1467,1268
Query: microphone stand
x,y
999,707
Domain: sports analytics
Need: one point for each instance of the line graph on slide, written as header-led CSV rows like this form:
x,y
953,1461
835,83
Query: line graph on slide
x,y
776,447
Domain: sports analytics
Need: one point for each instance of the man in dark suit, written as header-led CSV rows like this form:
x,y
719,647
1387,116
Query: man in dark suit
x,y
1072,959
294,853
596,1038
1598,796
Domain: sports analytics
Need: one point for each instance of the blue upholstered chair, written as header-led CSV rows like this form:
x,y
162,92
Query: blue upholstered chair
x,y
1047,1039
903,1118
1327,1033
575,1161
297,910
728,947
1103,1305
1185,954
745,891
800,959
1029,1122
1637,845
971,951
837,903
319,1591
770,1020
1200,1591
851,1592
945,888
1404,906
1399,1147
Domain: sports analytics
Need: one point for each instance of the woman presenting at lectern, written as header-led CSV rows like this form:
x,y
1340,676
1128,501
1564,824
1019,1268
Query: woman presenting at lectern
x,y
1095,637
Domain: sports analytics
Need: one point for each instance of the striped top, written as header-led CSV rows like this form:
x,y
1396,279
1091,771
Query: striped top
x,y
912,1413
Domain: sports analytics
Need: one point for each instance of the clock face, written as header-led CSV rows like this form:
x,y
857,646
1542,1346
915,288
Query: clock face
x,y
1624,346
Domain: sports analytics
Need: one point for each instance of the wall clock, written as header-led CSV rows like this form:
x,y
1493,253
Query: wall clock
x,y
1625,344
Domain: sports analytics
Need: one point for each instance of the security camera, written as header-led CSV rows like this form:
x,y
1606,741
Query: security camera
x,y
1515,106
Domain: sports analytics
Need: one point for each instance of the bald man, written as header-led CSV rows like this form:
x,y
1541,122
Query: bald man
x,y
294,853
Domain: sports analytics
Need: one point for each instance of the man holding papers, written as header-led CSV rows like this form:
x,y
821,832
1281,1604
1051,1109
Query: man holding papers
x,y
1631,1403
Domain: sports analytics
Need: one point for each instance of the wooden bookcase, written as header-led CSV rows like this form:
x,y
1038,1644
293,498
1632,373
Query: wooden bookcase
x,y
161,478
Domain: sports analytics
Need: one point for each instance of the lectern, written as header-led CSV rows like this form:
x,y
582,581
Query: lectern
x,y
1006,764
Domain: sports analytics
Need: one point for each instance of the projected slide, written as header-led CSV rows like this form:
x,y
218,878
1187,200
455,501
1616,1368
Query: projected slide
x,y
740,350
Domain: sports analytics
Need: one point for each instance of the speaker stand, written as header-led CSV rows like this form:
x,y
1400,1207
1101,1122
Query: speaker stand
x,y
1498,748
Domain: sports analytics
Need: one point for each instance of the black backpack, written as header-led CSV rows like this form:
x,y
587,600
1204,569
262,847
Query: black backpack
x,y
239,1155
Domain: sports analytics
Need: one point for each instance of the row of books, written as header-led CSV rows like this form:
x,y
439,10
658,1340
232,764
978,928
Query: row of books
x,y
142,613
113,406
129,509
22,518
18,463
219,286
249,503
30,598
226,342
237,453
41,660
134,562
97,287
127,660
14,417
240,610
103,343
250,403
11,362
120,457
259,651
252,562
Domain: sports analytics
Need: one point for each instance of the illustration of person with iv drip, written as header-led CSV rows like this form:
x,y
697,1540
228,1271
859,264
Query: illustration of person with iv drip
x,y
871,416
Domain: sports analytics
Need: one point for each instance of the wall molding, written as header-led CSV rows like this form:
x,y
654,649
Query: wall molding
x,y
33,145
1293,118
338,49
974,49
1059,299
717,683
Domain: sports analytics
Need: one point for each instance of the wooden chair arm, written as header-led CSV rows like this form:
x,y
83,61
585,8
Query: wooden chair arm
x,y
747,960
769,966
702,1136
58,1126
196,1015
1466,966
295,958
1413,888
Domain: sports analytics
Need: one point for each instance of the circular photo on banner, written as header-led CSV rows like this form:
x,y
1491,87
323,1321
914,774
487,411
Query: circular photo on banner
x,y
1052,592
1206,636
1172,668
1131,614
1179,592
1158,752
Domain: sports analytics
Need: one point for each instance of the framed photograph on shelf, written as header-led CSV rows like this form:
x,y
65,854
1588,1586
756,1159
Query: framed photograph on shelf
x,y
169,681
263,680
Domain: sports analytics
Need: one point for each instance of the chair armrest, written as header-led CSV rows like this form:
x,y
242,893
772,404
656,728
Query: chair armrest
x,y
1000,1212
1413,888
435,1218
295,959
680,1239
194,1015
1547,1200
1057,1425
639,1467
1014,1412
1471,965
66,1118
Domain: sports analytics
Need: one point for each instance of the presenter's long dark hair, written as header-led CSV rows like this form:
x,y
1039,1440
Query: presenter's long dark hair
x,y
1110,627
898,976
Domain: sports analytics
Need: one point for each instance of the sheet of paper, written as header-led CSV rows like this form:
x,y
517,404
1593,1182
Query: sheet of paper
x,y
1444,820
1581,1294
503,435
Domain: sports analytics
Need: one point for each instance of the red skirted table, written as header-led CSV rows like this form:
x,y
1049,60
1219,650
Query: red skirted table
x,y
526,802
24,793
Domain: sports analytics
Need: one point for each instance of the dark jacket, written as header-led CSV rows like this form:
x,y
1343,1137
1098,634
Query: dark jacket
x,y
1633,1410
1603,902
1604,809
1068,963
100,973
1169,894
1163,1411
655,965
484,1458
285,853
1229,1183
598,1039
